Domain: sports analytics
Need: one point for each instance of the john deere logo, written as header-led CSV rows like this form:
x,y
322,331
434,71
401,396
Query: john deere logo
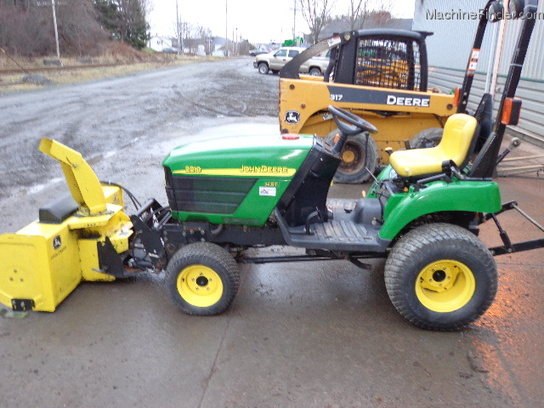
x,y
292,117
57,242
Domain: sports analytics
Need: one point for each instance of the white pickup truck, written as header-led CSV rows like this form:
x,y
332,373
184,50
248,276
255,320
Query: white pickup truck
x,y
275,61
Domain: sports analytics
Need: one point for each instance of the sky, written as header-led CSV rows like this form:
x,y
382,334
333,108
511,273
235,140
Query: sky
x,y
259,21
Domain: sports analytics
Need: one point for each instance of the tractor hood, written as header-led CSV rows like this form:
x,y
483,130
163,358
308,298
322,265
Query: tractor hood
x,y
236,180
242,156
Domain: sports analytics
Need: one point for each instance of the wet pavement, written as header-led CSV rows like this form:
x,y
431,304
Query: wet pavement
x,y
310,334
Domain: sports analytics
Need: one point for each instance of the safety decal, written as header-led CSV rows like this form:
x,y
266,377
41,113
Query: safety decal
x,y
474,56
267,191
57,242
292,117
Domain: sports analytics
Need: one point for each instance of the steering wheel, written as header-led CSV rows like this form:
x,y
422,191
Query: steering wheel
x,y
354,126
356,123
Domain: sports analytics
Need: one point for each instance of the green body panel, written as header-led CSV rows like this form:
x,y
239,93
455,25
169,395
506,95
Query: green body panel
x,y
234,180
439,196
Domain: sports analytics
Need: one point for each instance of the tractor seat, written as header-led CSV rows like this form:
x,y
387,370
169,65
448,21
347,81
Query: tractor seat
x,y
455,145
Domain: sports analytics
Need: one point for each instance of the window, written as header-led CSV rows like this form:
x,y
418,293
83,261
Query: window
x,y
388,63
293,53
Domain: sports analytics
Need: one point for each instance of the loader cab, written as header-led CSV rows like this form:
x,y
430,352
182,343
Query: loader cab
x,y
394,59
388,58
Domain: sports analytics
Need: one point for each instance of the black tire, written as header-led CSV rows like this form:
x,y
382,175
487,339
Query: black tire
x,y
262,68
352,169
202,279
427,138
315,71
440,277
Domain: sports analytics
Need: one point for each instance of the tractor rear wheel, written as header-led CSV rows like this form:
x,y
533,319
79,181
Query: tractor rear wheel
x,y
440,277
357,155
202,279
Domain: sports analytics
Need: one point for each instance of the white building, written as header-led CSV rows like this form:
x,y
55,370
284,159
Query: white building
x,y
454,25
158,43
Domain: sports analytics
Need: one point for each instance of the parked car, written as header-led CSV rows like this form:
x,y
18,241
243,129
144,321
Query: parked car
x,y
256,52
275,61
170,50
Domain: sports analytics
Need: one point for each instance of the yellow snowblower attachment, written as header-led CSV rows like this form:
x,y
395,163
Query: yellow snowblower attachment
x,y
76,237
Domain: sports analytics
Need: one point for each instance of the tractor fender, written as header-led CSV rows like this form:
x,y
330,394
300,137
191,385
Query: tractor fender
x,y
440,196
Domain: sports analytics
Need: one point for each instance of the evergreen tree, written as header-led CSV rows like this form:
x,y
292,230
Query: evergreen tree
x,y
125,20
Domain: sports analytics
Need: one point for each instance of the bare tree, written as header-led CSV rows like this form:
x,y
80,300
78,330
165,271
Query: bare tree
x,y
204,36
316,13
181,30
357,13
147,8
361,11
79,30
24,30
26,27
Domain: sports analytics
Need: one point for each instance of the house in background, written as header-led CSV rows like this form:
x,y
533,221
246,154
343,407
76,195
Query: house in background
x,y
158,43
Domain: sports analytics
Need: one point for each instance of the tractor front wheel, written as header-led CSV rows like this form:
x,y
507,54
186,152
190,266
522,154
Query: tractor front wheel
x,y
202,279
440,277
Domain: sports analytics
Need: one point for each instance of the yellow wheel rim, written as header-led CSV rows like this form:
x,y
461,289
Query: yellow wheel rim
x,y
199,285
348,156
445,286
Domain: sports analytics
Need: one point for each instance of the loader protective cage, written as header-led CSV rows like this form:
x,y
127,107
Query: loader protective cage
x,y
387,58
388,63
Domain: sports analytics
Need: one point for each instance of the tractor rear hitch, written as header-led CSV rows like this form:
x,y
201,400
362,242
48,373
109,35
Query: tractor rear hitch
x,y
508,246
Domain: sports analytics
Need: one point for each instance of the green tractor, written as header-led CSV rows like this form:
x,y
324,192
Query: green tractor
x,y
421,214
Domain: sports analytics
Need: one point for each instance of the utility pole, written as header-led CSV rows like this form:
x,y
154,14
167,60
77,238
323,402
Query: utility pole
x,y
56,29
226,28
295,21
180,30
235,45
